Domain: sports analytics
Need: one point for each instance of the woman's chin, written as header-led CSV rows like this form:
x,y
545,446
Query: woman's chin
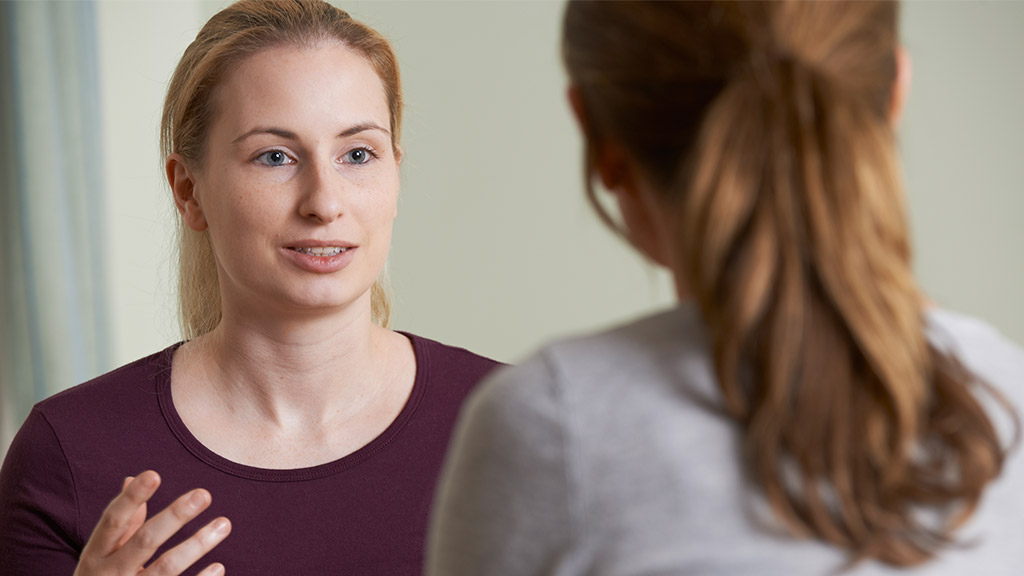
x,y
327,304
297,302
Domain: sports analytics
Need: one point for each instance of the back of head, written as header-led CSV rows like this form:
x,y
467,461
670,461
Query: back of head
x,y
767,126
229,37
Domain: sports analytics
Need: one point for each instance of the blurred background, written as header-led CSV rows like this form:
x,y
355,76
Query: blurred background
x,y
495,248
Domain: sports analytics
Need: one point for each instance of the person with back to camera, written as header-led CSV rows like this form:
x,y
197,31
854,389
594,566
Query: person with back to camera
x,y
291,416
802,410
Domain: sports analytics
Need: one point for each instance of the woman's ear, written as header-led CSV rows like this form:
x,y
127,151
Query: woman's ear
x,y
901,85
619,175
183,186
609,159
576,104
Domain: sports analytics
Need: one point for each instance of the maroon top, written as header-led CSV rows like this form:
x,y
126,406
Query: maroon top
x,y
365,514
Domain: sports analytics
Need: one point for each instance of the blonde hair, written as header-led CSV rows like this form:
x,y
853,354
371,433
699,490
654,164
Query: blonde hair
x,y
767,125
232,35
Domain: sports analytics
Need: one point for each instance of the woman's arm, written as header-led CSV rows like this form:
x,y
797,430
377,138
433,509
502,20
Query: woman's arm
x,y
39,517
38,505
505,503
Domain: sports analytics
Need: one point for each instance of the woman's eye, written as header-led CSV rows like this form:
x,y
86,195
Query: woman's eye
x,y
358,156
273,158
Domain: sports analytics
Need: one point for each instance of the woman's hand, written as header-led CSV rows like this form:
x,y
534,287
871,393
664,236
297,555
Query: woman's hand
x,y
123,541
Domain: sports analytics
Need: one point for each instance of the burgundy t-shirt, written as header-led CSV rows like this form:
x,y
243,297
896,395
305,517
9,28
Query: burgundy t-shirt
x,y
363,515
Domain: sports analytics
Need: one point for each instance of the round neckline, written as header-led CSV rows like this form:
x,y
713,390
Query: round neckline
x,y
351,460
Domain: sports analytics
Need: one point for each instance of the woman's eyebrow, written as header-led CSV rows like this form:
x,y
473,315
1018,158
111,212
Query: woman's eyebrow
x,y
263,130
362,127
287,134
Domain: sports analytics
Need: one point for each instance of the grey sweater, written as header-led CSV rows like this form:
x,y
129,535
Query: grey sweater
x,y
599,456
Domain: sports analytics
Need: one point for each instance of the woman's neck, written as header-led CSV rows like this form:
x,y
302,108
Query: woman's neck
x,y
299,371
296,393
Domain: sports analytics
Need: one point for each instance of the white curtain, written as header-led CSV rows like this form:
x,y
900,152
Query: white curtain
x,y
53,306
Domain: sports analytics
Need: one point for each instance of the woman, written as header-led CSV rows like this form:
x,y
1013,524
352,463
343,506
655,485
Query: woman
x,y
291,417
802,410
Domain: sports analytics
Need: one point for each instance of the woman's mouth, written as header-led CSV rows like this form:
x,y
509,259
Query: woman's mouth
x,y
321,259
322,250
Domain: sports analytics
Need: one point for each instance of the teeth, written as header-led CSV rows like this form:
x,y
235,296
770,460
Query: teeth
x,y
322,251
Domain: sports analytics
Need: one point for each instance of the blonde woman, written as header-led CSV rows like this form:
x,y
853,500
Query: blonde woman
x,y
802,410
291,418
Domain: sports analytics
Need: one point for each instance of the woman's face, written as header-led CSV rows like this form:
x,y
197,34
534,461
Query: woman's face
x,y
299,185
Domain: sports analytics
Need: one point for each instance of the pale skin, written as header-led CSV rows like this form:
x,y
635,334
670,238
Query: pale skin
x,y
302,159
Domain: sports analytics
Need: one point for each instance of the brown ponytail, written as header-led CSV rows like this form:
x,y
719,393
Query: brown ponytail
x,y
767,123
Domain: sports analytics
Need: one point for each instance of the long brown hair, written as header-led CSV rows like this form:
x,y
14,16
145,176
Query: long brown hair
x,y
232,35
768,125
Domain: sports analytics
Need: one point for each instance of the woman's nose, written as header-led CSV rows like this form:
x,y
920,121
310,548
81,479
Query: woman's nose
x,y
323,197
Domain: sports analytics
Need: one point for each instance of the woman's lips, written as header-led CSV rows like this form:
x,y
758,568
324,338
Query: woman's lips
x,y
321,259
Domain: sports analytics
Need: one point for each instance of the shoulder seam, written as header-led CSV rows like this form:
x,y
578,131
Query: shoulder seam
x,y
71,474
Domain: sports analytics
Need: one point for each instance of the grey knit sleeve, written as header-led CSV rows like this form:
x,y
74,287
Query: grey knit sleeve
x,y
503,504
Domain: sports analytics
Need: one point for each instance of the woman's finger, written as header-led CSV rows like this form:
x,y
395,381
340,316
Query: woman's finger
x,y
213,570
136,521
177,559
158,529
121,514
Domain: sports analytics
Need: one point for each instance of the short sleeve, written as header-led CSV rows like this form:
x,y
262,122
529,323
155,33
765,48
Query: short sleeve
x,y
503,507
38,507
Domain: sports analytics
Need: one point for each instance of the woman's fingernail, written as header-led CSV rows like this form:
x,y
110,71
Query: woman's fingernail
x,y
148,479
221,526
197,499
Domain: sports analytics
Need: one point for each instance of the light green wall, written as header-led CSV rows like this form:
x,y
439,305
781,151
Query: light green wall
x,y
963,150
140,42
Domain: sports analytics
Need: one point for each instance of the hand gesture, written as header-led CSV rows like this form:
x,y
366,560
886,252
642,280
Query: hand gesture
x,y
124,542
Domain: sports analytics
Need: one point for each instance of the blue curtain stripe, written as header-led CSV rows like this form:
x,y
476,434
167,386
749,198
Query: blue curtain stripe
x,y
56,313
88,63
29,256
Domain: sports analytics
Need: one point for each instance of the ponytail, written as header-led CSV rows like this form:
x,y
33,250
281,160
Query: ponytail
x,y
795,247
767,125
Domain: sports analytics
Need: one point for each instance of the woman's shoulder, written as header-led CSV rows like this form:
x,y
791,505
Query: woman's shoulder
x,y
997,361
116,391
675,331
980,346
641,349
948,327
988,354
449,362
625,370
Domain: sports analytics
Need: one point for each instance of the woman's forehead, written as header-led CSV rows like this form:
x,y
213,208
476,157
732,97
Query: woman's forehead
x,y
311,89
